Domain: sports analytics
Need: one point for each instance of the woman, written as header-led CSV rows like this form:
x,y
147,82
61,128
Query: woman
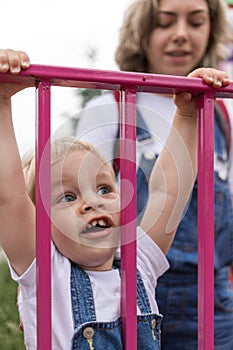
x,y
173,37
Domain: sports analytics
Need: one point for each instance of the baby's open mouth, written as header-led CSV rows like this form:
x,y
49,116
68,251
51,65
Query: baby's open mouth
x,y
96,226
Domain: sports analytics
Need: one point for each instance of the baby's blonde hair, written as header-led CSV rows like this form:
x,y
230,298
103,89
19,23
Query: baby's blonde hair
x,y
139,22
59,149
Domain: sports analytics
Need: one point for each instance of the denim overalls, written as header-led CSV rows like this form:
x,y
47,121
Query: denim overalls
x,y
176,292
92,335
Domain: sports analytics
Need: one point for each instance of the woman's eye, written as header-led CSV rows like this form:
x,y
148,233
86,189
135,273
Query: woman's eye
x,y
196,23
164,24
197,20
68,198
103,190
165,21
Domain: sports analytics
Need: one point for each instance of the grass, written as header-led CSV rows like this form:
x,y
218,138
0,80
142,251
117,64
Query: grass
x,y
11,337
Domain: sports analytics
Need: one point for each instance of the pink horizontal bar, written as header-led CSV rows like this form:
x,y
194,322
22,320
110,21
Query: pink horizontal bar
x,y
113,80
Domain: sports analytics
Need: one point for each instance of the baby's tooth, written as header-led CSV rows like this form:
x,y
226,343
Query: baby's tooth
x,y
101,222
94,223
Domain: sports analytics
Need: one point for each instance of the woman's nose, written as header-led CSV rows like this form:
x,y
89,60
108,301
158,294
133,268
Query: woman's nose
x,y
180,32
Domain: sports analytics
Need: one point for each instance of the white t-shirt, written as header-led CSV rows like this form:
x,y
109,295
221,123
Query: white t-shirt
x,y
98,124
151,263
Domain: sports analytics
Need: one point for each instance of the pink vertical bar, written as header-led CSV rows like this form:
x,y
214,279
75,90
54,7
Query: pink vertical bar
x,y
206,223
128,220
43,226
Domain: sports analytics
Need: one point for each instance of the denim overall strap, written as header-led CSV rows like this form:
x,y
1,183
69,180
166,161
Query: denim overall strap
x,y
143,133
145,165
88,333
146,162
142,298
148,324
83,307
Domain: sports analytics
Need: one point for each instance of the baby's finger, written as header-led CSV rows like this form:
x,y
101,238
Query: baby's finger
x,y
4,65
226,81
211,76
24,59
217,79
13,61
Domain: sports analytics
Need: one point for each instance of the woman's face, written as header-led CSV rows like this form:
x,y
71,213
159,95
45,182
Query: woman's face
x,y
181,37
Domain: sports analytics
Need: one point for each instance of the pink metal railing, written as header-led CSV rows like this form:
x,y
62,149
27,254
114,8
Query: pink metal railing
x,y
43,77
206,223
43,226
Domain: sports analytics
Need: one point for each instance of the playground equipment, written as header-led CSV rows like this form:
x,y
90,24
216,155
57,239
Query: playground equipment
x,y
43,78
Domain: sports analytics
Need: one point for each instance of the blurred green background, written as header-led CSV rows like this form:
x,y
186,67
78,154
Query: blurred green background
x,y
11,337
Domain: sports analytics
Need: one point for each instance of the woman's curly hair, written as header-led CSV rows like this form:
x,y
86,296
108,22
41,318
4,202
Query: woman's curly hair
x,y
140,21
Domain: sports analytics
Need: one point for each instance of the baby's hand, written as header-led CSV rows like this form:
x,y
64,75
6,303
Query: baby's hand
x,y
211,76
187,103
13,61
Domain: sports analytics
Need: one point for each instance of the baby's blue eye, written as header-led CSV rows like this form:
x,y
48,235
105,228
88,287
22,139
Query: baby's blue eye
x,y
68,198
103,190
